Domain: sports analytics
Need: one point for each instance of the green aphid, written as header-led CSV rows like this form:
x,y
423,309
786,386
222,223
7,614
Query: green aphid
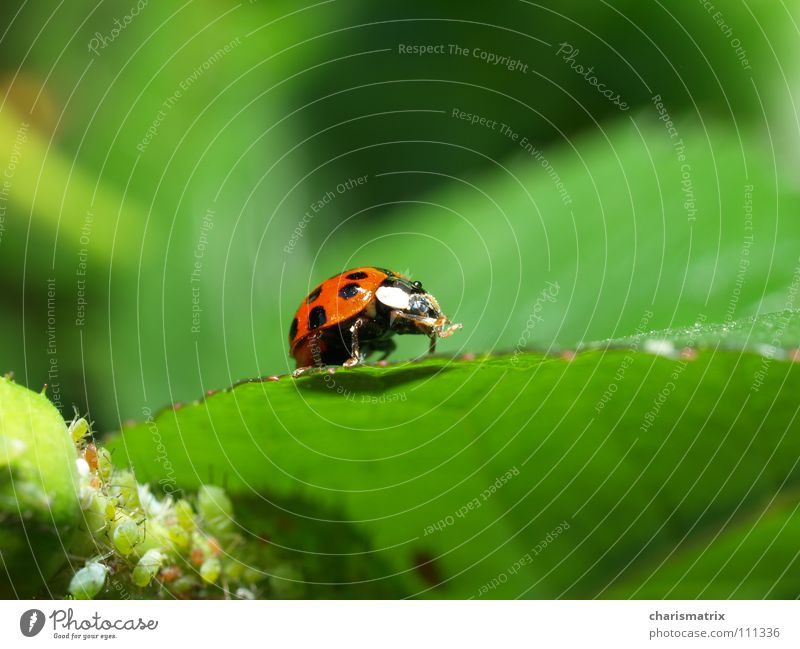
x,y
147,567
184,514
88,581
210,570
126,536
104,465
78,428
216,509
179,537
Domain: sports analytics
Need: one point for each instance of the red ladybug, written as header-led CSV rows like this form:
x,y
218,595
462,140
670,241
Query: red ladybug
x,y
355,313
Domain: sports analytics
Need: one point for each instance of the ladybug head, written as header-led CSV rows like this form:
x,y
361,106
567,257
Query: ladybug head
x,y
412,310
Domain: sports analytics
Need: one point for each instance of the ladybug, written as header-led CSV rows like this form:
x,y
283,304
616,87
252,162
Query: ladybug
x,y
355,313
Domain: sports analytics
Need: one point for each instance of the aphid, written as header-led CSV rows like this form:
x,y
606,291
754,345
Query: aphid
x,y
197,556
170,573
78,428
88,581
179,537
90,455
125,537
147,567
210,570
356,313
214,546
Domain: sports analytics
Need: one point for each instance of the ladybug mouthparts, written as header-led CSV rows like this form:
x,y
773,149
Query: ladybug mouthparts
x,y
428,319
444,328
432,318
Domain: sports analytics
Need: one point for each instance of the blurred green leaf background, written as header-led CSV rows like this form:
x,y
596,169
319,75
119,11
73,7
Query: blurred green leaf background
x,y
244,141
174,178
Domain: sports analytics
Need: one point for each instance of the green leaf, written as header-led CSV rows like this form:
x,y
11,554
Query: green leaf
x,y
508,251
73,204
773,334
38,490
516,475
752,556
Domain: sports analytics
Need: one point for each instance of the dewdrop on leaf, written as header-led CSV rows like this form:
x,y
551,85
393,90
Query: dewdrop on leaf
x,y
660,347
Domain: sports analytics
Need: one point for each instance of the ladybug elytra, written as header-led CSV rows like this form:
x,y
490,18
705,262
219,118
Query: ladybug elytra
x,y
355,313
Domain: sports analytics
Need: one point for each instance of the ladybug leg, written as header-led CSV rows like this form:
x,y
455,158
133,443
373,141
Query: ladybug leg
x,y
355,351
387,346
432,345
309,356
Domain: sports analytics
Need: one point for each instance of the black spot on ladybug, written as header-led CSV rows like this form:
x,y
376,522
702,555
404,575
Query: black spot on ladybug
x,y
293,329
349,290
317,317
357,275
314,294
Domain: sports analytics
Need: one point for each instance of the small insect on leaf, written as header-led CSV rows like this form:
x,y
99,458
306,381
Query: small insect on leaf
x,y
88,581
78,429
104,466
126,537
90,455
147,567
210,570
196,556
170,573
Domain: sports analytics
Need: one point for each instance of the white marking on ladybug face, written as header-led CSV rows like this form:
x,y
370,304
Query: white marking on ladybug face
x,y
393,297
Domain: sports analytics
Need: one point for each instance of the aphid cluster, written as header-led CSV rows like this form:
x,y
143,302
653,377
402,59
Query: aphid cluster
x,y
141,545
